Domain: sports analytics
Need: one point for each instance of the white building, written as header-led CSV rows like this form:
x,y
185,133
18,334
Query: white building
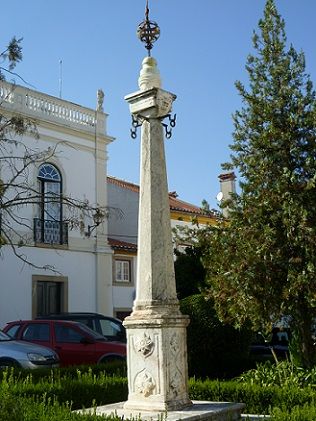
x,y
82,276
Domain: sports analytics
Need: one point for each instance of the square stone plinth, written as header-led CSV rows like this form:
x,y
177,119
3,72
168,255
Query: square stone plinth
x,y
200,410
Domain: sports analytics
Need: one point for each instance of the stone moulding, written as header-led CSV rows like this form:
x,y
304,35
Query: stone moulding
x,y
153,103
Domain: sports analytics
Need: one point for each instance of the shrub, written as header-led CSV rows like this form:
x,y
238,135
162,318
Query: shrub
x,y
45,409
282,374
214,349
298,413
10,407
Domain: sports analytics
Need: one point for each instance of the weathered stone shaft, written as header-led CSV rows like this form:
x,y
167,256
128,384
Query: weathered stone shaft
x,y
155,270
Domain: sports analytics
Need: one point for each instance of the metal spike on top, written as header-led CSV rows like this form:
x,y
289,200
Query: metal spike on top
x,y
148,31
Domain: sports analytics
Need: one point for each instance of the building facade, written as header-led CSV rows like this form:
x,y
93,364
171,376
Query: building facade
x,y
80,274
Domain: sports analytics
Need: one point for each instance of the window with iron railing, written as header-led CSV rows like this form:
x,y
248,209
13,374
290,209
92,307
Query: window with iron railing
x,y
50,232
49,228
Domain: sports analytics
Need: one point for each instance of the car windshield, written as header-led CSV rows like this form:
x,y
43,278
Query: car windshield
x,y
4,337
91,332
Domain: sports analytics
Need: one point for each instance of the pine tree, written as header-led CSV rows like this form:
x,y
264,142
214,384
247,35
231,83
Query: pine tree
x,y
262,263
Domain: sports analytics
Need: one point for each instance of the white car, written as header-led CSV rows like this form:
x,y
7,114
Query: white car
x,y
22,354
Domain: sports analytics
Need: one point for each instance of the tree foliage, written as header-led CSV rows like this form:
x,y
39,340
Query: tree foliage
x,y
215,349
189,272
261,263
11,55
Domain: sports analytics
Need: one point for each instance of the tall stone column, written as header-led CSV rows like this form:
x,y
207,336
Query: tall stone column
x,y
156,330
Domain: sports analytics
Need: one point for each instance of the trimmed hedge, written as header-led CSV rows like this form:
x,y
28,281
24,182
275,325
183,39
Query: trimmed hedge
x,y
87,390
258,399
54,398
55,395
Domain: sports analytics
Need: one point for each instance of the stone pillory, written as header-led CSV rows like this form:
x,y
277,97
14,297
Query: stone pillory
x,y
156,330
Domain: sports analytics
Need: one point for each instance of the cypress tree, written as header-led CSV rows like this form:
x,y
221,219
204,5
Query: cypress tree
x,y
262,263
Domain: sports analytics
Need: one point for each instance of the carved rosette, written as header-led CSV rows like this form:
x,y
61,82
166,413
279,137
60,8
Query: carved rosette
x,y
144,345
145,384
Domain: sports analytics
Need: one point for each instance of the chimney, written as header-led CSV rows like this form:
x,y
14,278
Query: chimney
x,y
227,186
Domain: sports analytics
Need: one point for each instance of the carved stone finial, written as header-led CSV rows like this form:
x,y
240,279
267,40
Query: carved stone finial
x,y
149,75
100,100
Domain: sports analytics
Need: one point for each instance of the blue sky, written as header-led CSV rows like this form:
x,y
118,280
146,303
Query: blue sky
x,y
201,53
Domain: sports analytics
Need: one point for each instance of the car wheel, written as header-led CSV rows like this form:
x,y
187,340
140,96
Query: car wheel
x,y
7,363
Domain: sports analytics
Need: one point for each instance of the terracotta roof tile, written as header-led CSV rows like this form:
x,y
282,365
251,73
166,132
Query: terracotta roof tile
x,y
123,183
180,205
122,245
175,204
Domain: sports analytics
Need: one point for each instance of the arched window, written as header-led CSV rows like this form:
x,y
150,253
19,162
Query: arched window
x,y
51,189
49,227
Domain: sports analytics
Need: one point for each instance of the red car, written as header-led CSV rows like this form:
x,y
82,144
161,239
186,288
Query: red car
x,y
74,342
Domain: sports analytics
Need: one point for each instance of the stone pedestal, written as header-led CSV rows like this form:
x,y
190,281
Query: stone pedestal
x,y
157,364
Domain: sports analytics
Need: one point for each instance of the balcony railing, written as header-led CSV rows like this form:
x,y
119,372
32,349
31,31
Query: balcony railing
x,y
50,232
38,105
